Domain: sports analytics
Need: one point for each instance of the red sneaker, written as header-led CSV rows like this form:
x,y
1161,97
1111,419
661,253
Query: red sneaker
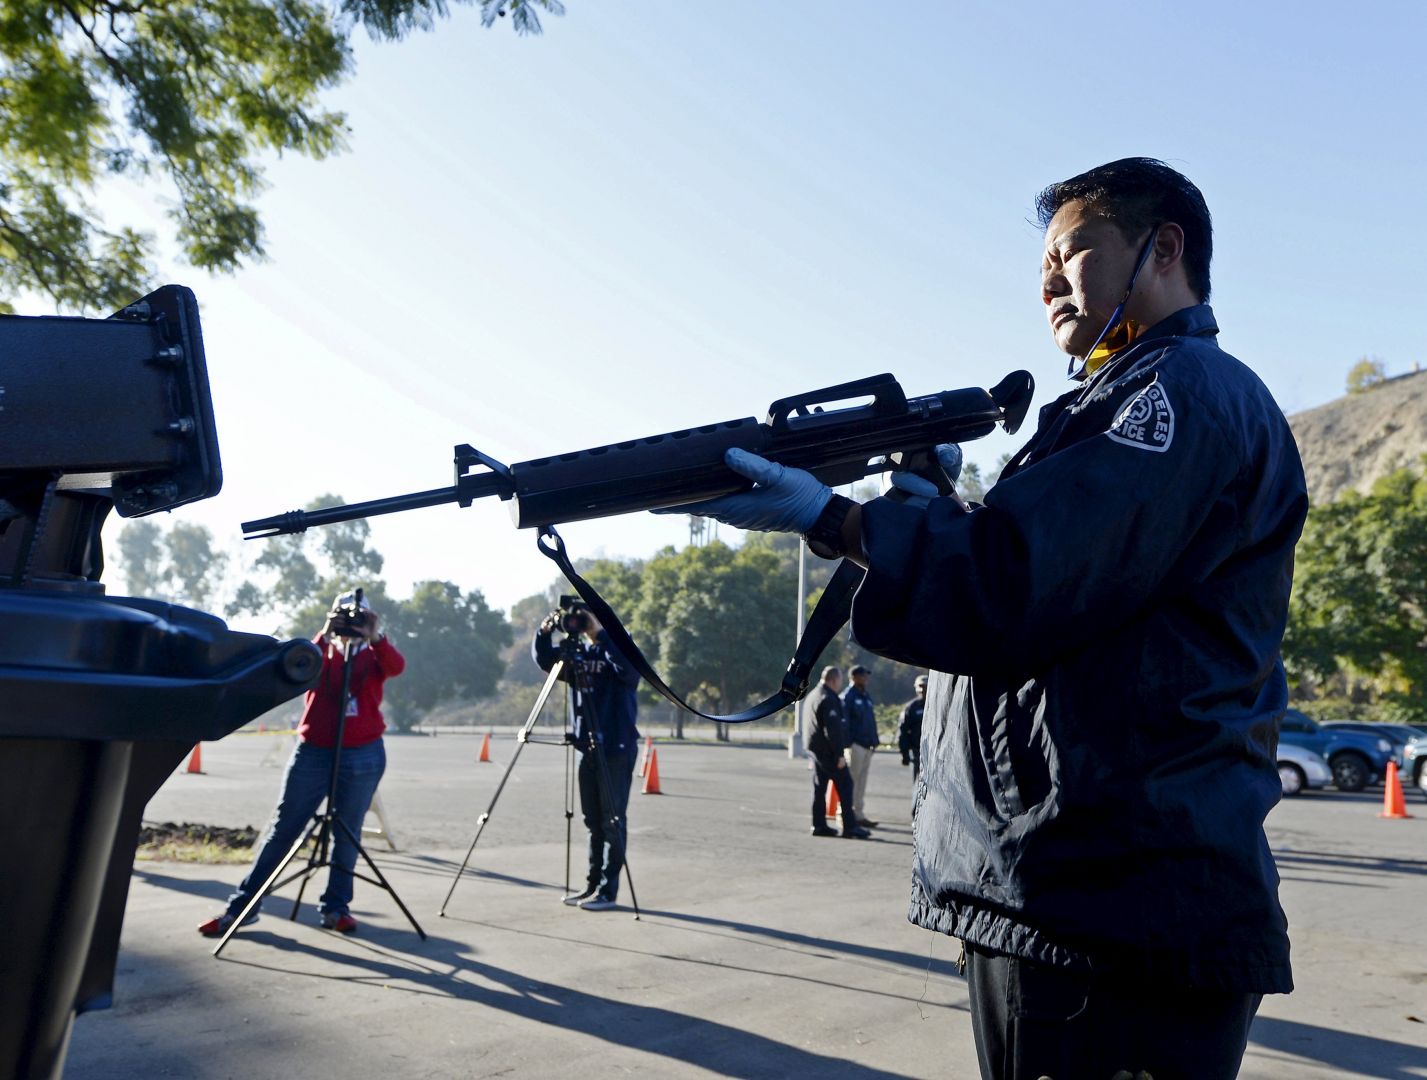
x,y
218,925
343,924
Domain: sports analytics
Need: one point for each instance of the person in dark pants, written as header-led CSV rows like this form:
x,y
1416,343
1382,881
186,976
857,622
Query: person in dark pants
x,y
859,713
825,736
360,766
909,729
603,685
1103,633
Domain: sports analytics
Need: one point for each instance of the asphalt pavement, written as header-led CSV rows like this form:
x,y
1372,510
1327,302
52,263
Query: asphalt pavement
x,y
760,951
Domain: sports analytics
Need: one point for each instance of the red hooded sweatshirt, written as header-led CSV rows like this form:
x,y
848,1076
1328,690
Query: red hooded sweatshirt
x,y
372,665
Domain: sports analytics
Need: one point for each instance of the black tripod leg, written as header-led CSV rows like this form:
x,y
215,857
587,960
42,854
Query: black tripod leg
x,y
316,861
270,883
381,878
569,807
520,742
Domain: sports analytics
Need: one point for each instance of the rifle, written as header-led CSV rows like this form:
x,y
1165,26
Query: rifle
x,y
837,445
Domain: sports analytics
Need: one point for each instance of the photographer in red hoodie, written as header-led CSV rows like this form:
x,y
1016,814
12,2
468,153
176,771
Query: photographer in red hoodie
x,y
374,659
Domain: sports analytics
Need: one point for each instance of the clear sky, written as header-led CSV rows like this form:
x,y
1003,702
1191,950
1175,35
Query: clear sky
x,y
664,214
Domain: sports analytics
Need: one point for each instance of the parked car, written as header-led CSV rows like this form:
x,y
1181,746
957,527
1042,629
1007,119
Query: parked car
x,y
1300,769
1397,734
1414,763
1357,758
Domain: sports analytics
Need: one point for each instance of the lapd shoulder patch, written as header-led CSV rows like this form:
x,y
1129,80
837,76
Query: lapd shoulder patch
x,y
1146,422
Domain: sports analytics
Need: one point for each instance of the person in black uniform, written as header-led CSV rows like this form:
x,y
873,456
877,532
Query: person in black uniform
x,y
605,706
825,736
1104,639
909,729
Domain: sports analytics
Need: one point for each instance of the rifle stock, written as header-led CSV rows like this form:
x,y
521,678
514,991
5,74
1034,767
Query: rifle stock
x,y
837,445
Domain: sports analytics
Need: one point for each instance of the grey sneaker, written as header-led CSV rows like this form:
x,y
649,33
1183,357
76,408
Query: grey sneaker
x,y
575,899
597,903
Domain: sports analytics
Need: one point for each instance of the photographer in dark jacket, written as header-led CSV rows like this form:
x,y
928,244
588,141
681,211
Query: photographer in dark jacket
x,y
1104,637
602,689
825,736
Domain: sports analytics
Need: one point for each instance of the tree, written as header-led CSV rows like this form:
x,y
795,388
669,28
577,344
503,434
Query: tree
x,y
1366,374
180,565
452,643
179,93
1358,615
141,556
194,567
718,621
296,574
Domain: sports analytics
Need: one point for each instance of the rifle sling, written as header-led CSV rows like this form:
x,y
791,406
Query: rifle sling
x,y
833,609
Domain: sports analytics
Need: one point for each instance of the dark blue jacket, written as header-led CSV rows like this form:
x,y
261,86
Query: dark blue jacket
x,y
1103,709
860,717
607,703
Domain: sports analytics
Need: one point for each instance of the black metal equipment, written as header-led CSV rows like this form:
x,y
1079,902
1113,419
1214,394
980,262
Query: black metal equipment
x,y
837,445
579,678
102,696
319,829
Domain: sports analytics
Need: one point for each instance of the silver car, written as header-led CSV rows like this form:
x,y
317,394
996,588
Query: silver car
x,y
1414,762
1300,768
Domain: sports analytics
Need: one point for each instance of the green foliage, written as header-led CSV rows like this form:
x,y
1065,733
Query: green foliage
x,y
178,93
1358,616
141,554
717,621
455,645
452,643
180,565
289,582
1366,374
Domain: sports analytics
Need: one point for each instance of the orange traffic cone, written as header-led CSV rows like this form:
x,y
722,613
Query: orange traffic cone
x,y
485,748
648,749
651,775
834,807
1393,804
195,760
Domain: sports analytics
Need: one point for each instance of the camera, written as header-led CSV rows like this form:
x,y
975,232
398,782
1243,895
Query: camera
x,y
573,616
350,619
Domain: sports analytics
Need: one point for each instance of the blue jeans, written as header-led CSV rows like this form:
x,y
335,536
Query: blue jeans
x,y
606,842
304,786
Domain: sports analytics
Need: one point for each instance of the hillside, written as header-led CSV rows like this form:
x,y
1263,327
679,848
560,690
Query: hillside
x,y
1349,443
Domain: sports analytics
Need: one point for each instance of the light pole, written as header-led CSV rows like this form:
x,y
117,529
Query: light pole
x,y
795,737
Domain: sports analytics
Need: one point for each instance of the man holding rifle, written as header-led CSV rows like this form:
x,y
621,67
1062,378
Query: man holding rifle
x,y
1103,636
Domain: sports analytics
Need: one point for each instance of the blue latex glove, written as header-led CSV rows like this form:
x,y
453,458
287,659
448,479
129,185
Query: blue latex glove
x,y
785,500
918,490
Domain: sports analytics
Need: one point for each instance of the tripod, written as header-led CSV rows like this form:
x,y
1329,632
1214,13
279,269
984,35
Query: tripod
x,y
322,825
569,659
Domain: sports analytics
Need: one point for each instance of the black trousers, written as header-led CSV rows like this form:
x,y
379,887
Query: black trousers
x,y
1033,1021
607,842
842,780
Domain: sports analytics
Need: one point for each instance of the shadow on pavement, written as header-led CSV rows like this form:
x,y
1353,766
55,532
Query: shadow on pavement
x,y
1291,859
209,887
829,945
721,1048
1356,1055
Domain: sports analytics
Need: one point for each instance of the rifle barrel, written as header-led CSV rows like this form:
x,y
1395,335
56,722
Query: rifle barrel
x,y
296,521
